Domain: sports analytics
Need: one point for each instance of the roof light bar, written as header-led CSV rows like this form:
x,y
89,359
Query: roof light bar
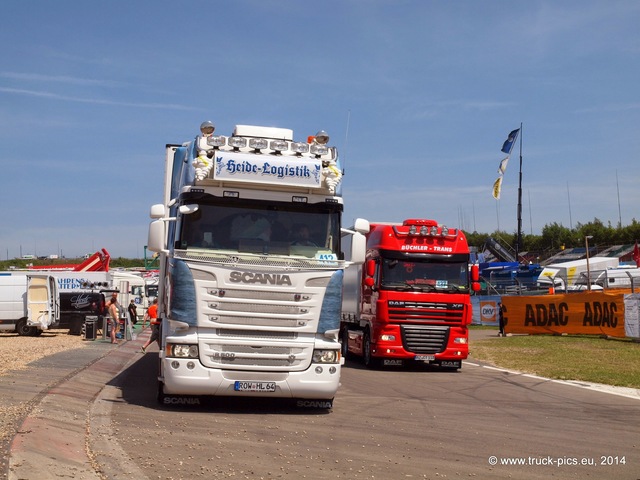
x,y
424,228
256,139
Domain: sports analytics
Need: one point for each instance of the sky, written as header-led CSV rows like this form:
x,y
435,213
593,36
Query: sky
x,y
417,95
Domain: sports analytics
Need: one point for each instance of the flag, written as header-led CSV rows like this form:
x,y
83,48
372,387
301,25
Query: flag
x,y
636,255
497,185
503,165
507,146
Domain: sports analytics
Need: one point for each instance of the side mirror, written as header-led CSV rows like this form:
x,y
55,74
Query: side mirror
x,y
475,273
362,226
155,241
157,211
371,268
358,248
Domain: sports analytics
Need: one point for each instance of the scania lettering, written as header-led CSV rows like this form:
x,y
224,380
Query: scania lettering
x,y
248,277
410,301
249,241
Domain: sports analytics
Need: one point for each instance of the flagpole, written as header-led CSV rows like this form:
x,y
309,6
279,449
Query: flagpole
x,y
519,239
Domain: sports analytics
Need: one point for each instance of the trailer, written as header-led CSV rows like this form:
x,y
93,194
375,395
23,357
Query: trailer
x,y
29,304
563,276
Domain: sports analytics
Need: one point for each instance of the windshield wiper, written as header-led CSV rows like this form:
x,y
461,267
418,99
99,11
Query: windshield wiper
x,y
403,286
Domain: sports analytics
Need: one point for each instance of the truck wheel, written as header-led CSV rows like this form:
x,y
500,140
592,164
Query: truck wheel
x,y
24,330
344,342
369,360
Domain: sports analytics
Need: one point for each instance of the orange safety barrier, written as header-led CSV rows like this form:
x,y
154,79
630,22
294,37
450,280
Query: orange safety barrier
x,y
588,313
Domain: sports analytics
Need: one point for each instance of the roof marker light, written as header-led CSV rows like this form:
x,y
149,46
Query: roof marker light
x,y
445,231
434,230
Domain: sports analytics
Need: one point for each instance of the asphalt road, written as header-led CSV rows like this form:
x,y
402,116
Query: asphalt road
x,y
385,424
390,424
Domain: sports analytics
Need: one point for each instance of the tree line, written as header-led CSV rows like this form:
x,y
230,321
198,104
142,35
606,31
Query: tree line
x,y
556,237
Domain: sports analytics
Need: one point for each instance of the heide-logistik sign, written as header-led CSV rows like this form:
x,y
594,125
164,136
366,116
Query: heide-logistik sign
x,y
578,313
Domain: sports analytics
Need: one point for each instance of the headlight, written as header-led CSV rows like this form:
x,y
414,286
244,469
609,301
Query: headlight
x,y
460,340
326,356
179,350
388,338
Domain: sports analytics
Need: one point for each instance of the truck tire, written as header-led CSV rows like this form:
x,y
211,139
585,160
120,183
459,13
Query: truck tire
x,y
24,330
368,359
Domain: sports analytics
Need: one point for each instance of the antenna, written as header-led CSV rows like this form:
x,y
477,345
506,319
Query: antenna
x,y
619,211
346,141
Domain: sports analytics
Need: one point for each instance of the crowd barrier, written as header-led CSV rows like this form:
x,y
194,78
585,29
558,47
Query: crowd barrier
x,y
610,313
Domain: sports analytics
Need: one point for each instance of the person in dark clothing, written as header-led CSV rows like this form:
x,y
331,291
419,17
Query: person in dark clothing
x,y
133,312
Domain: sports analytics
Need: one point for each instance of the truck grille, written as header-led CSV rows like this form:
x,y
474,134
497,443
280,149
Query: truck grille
x,y
427,312
424,339
236,344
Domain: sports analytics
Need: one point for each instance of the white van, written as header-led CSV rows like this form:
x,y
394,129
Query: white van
x,y
29,303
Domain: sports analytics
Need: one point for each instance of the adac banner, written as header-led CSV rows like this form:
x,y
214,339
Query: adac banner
x,y
590,313
267,169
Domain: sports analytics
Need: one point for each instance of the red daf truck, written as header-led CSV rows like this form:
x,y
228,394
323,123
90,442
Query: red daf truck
x,y
410,300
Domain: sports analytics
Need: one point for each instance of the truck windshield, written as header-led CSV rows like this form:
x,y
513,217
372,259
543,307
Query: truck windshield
x,y
288,229
432,276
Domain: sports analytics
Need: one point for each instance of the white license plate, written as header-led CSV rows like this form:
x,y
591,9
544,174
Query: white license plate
x,y
254,386
425,358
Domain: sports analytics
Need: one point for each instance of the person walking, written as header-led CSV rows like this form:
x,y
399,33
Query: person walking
x,y
152,314
113,318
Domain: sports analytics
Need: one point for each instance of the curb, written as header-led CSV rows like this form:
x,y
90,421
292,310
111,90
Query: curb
x,y
60,438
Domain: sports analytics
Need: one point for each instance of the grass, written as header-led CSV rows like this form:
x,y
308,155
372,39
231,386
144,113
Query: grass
x,y
568,357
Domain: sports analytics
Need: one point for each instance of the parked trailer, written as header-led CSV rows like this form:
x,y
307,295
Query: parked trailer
x,y
29,304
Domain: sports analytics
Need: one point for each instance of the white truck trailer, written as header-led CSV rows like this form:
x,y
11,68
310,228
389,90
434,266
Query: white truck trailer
x,y
564,276
29,303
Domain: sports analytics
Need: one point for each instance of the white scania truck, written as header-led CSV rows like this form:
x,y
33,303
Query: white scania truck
x,y
251,267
